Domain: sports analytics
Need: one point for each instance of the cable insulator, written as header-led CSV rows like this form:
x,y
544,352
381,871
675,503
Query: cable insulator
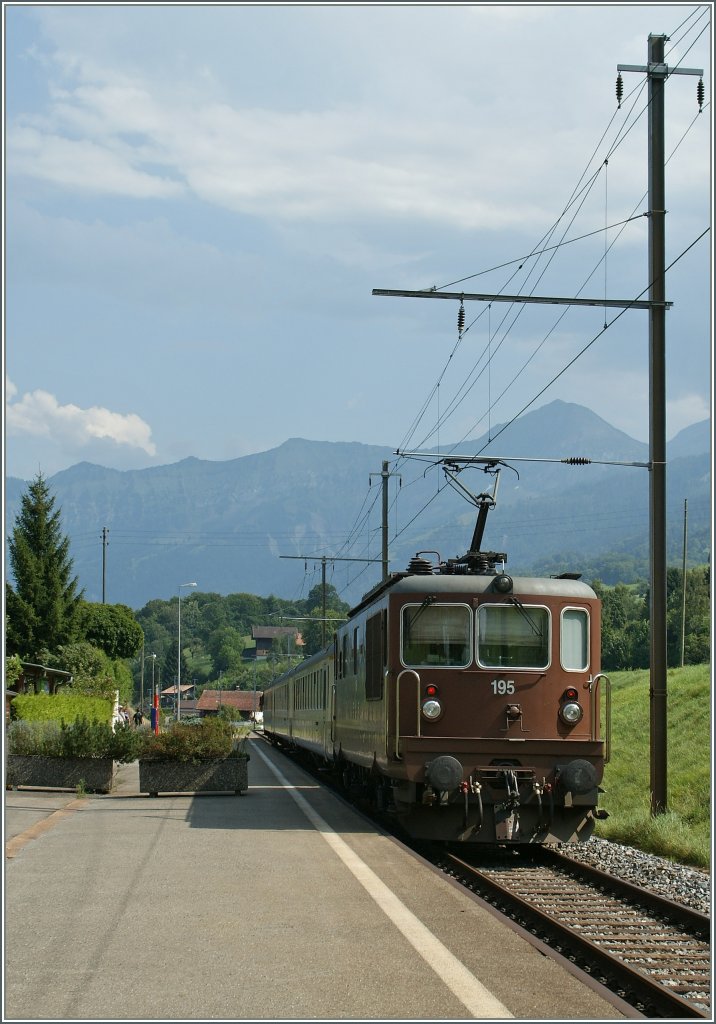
x,y
700,93
461,319
577,460
620,90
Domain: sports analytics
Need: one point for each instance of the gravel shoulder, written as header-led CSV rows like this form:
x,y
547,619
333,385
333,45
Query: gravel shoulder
x,y
676,882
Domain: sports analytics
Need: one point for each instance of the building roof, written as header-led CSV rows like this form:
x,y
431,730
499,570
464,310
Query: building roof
x,y
241,700
171,690
39,671
269,632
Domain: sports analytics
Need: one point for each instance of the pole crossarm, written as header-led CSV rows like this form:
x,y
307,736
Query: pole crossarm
x,y
504,460
545,300
659,69
328,558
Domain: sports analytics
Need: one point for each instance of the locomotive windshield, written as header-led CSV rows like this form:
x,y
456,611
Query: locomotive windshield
x,y
436,634
512,636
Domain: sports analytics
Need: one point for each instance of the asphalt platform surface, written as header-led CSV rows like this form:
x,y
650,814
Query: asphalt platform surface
x,y
282,904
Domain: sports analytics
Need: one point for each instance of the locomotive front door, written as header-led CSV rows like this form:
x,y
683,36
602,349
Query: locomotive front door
x,y
403,711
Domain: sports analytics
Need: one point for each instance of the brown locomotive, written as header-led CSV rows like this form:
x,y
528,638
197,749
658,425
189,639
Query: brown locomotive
x,y
465,700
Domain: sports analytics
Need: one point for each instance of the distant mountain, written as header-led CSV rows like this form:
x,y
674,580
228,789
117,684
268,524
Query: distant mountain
x,y
693,440
226,524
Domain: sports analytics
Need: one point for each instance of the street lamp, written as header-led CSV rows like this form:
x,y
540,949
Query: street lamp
x,y
181,585
154,658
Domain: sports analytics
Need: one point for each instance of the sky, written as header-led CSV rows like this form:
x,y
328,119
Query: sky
x,y
200,200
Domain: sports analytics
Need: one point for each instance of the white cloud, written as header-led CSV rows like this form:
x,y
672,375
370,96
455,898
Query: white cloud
x,y
682,412
82,164
39,414
348,153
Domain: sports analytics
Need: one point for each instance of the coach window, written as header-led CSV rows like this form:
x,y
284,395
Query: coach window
x,y
436,634
574,640
512,636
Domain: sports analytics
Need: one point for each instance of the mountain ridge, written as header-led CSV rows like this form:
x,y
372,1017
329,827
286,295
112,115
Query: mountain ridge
x,y
225,523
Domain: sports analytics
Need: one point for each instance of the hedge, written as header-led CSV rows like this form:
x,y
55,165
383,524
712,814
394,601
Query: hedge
x,y
62,707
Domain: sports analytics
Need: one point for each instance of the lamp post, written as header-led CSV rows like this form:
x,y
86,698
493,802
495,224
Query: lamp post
x,y
254,703
181,585
155,699
154,658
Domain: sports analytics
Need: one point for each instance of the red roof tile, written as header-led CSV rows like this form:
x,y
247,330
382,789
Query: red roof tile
x,y
242,700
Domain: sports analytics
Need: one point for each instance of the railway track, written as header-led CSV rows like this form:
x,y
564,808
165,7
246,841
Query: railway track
x,y
654,954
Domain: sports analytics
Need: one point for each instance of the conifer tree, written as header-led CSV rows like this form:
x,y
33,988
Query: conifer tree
x,y
42,607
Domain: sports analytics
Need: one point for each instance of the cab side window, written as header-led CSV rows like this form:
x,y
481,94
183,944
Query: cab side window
x,y
375,648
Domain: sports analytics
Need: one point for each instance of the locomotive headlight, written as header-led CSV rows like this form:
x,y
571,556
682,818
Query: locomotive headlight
x,y
432,709
571,713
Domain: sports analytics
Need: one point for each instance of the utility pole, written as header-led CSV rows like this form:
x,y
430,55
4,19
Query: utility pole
x,y
657,72
385,477
324,559
105,542
683,587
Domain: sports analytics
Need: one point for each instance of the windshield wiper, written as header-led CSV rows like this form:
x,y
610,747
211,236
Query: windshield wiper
x,y
525,615
430,599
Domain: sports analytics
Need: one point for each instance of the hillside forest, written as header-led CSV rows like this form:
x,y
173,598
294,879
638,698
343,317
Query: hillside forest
x,y
109,647
216,630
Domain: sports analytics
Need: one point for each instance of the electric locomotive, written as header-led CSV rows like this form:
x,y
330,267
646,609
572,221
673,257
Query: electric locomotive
x,y
464,700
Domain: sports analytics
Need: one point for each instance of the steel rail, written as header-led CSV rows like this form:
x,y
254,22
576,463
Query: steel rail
x,y
635,986
685,917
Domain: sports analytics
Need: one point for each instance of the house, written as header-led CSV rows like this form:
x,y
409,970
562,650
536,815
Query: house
x,y
268,641
189,708
245,703
167,698
39,678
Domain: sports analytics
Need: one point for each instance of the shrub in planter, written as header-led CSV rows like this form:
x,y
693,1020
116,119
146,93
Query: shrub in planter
x,y
193,757
81,738
209,738
57,755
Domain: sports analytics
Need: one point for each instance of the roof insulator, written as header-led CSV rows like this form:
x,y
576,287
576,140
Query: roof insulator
x,y
620,89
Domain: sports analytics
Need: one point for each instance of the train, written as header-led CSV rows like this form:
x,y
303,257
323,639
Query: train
x,y
467,703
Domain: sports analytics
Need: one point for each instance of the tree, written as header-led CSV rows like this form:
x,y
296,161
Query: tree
x,y
111,627
314,629
333,601
169,669
13,670
698,615
94,674
225,646
42,607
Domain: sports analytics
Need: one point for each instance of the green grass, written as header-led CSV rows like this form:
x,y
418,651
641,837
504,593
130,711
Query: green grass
x,y
684,833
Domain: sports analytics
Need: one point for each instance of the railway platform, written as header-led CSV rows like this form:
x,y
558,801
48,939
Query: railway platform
x,y
282,904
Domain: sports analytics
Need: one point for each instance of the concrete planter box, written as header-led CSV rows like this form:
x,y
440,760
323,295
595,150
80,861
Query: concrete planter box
x,y
95,773
228,774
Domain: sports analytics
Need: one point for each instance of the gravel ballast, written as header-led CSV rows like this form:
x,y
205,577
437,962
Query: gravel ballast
x,y
676,882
